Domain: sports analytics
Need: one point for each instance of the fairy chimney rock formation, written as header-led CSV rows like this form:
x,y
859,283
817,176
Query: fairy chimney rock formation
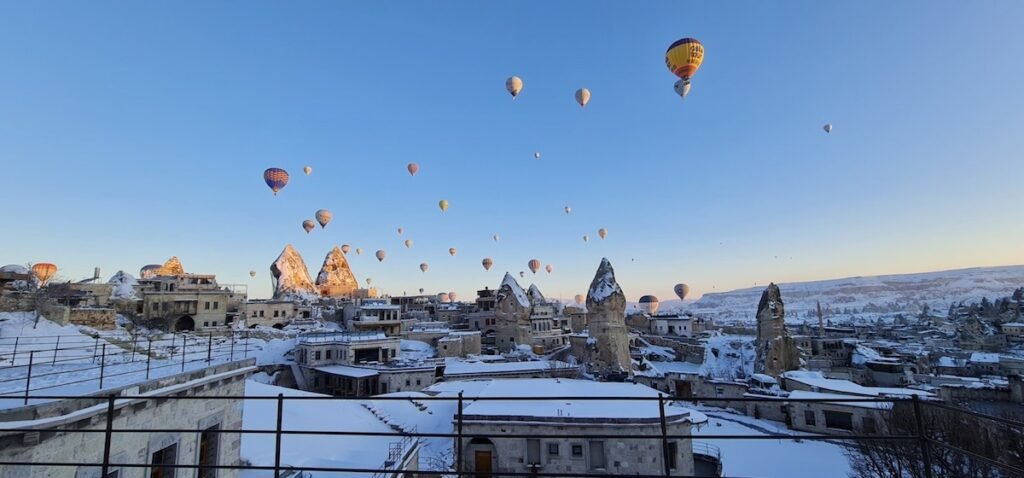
x,y
776,350
606,306
512,311
170,268
290,277
534,295
335,278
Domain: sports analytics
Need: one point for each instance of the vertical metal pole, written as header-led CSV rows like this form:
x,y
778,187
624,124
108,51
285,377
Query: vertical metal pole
x,y
664,436
209,347
458,440
14,355
135,344
245,346
28,379
277,435
108,435
95,348
56,347
926,452
103,364
231,357
184,345
149,355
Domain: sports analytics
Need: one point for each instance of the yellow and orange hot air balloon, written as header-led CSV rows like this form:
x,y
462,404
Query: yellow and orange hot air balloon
x,y
44,271
683,58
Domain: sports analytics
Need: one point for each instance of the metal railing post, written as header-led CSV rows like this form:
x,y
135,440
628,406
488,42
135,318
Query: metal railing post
x,y
926,452
28,379
135,344
184,345
56,347
245,345
231,355
103,365
149,356
209,347
277,435
458,440
108,435
664,436
95,348
14,354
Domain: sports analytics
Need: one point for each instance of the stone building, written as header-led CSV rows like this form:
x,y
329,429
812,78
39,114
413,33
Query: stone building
x,y
186,302
776,350
606,306
512,315
205,445
359,364
274,313
373,315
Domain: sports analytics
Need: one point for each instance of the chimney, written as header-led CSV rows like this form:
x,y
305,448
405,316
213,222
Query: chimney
x,y
96,274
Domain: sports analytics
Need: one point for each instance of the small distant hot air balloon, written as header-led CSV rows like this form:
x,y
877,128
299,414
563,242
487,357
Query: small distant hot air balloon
x,y
536,155
582,97
452,251
413,168
359,251
44,271
496,238
568,209
345,248
681,290
514,85
400,231
369,280
649,304
453,296
323,216
308,170
586,238
443,204
683,58
580,298
252,273
276,178
487,262
534,265
828,127
442,297
421,290
602,232
381,255
408,243
549,268
424,266
522,274
308,225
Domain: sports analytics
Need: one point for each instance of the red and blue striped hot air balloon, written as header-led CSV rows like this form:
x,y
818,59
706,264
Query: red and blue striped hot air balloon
x,y
276,178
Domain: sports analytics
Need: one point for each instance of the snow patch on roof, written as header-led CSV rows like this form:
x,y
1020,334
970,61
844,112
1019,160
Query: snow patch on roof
x,y
984,357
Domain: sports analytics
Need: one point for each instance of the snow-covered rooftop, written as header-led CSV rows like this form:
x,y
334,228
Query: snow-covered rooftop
x,y
818,381
454,367
984,357
348,371
802,394
344,337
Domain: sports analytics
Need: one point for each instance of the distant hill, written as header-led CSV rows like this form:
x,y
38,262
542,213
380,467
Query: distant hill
x,y
870,296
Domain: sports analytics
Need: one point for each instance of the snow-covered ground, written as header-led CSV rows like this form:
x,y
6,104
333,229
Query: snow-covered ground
x,y
729,357
763,458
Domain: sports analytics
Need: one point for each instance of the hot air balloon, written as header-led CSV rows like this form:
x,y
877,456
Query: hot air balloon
x,y
487,262
413,168
44,271
536,155
649,304
408,243
522,274
582,97
252,273
421,290
424,266
276,179
308,170
828,127
381,255
323,216
453,296
586,238
345,248
580,298
359,250
369,280
534,265
442,297
496,238
308,225
681,290
549,268
683,58
568,209
514,85
400,231
443,204
602,232
452,251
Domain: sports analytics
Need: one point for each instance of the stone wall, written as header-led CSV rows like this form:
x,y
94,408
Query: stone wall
x,y
102,319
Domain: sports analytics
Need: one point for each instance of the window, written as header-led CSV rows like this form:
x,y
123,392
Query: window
x,y
214,323
407,382
206,324
206,305
809,418
276,312
328,354
316,355
532,451
868,424
216,305
209,449
254,313
552,448
577,451
418,382
840,420
673,452
161,458
597,455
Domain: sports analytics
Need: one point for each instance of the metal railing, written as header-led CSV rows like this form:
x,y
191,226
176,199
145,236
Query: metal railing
x,y
925,441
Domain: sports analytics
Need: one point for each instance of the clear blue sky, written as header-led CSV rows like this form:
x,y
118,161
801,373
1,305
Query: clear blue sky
x,y
134,131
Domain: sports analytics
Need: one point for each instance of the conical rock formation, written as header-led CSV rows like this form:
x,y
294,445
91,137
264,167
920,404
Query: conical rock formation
x,y
123,285
335,278
512,312
534,295
290,277
606,306
170,268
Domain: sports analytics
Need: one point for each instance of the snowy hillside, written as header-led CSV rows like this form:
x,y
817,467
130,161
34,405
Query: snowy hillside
x,y
890,294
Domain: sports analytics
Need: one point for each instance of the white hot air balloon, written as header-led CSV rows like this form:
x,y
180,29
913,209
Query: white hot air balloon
x,y
496,238
400,231
514,85
602,232
536,155
369,280
452,251
580,298
381,254
487,263
568,209
453,297
550,268
308,170
828,127
359,250
345,248
583,97
442,297
424,266
534,265
408,243
586,238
